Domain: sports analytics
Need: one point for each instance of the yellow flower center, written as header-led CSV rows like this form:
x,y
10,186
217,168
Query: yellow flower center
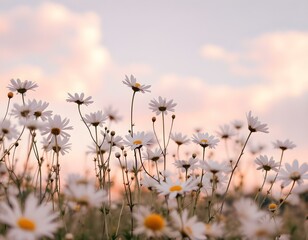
x,y
26,224
272,207
203,141
175,188
137,85
137,142
154,222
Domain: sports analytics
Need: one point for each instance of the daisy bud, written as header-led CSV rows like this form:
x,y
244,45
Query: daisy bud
x,y
117,155
173,116
10,95
69,236
153,119
112,133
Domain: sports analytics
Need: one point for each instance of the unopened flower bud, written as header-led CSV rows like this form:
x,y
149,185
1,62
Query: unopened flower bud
x,y
10,95
153,119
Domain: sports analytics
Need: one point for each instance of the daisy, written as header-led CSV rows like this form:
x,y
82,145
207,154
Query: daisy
x,y
287,144
174,189
39,109
215,167
188,227
8,131
32,123
151,224
265,229
155,155
23,111
267,164
138,140
132,83
162,106
247,210
95,119
102,148
217,182
184,165
114,140
57,127
205,140
179,139
21,86
237,124
226,132
62,145
148,182
33,221
254,125
294,173
79,99
214,230
112,114
84,195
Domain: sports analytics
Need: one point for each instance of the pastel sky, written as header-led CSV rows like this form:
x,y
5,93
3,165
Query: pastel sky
x,y
216,60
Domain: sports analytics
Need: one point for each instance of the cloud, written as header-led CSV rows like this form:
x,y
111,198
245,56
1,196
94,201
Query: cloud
x,y
278,58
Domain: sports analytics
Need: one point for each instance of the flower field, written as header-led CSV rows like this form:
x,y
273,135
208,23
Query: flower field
x,y
141,186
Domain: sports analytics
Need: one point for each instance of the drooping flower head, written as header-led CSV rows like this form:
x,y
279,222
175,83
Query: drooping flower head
x,y
162,106
267,164
284,145
95,119
254,125
137,87
79,99
21,86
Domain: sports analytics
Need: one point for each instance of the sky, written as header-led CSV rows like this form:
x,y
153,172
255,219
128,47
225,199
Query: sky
x,y
216,60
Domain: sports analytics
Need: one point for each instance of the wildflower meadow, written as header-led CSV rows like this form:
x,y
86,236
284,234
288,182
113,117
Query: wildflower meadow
x,y
142,184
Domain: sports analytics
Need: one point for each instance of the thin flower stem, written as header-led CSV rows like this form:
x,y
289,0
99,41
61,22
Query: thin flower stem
x,y
290,191
131,115
7,109
261,188
233,170
274,180
164,143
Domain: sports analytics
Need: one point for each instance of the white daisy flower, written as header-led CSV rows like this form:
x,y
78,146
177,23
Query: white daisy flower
x,y
155,155
23,111
102,148
39,109
112,114
226,132
175,188
188,227
7,130
114,140
84,195
162,106
267,164
151,224
148,181
265,229
216,181
56,127
61,146
179,139
138,140
205,140
79,99
293,172
247,210
254,125
284,145
214,230
237,124
132,83
215,167
95,119
33,221
184,165
32,123
21,86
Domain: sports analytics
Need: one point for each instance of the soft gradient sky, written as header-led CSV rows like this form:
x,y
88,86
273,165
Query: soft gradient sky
x,y
217,60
